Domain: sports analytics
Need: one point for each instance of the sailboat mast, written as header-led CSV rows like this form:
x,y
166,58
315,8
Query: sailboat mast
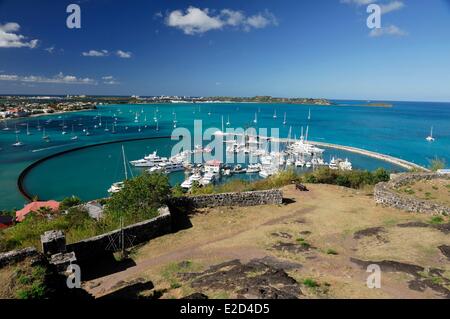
x,y
124,163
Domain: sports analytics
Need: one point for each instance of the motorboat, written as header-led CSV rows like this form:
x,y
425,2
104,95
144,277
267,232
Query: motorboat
x,y
188,183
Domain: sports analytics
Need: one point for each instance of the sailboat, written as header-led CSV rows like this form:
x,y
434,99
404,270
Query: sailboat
x,y
63,131
74,137
6,126
45,136
256,118
17,143
113,129
284,121
228,122
175,120
145,121
275,114
38,126
28,130
431,138
117,187
100,122
209,113
17,131
106,127
136,118
309,115
155,118
157,125
139,129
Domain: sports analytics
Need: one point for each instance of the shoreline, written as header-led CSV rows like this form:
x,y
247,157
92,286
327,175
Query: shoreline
x,y
43,114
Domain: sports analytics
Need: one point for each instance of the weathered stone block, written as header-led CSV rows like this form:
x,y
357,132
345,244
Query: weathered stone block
x,y
53,242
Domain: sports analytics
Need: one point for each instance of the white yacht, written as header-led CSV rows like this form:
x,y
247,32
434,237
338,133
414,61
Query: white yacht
x,y
142,163
167,168
150,161
190,181
116,187
253,168
300,163
207,179
345,165
333,164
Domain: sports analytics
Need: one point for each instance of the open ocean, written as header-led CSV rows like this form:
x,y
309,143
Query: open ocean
x,y
399,131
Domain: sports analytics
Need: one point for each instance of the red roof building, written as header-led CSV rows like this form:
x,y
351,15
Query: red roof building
x,y
6,221
35,206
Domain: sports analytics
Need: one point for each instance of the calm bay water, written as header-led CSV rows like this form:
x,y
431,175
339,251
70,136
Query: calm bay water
x,y
399,131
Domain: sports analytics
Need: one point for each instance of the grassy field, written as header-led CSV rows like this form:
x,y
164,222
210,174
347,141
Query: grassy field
x,y
326,233
437,190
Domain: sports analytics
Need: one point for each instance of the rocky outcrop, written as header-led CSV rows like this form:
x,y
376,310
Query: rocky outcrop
x,y
386,194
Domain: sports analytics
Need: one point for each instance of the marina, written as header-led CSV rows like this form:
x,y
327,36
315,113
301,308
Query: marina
x,y
344,141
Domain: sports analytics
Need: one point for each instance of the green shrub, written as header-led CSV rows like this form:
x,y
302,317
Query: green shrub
x,y
311,283
69,202
436,220
436,164
139,199
331,252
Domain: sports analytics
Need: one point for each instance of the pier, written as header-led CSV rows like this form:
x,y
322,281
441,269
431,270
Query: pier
x,y
387,158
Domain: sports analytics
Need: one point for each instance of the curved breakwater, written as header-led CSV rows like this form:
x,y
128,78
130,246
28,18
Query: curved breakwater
x,y
383,157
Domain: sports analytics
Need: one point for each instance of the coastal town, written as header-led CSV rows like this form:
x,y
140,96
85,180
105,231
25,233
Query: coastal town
x,y
24,106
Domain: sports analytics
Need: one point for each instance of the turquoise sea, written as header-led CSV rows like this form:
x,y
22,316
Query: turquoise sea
x,y
399,131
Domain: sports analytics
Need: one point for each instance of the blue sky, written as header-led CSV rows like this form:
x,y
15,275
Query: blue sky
x,y
320,48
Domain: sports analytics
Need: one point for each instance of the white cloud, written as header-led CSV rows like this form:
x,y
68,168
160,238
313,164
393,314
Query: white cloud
x,y
391,6
110,80
95,53
198,21
50,49
123,54
390,30
385,7
9,38
358,2
60,78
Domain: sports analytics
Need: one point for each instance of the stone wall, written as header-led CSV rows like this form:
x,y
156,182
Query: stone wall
x,y
92,248
254,198
386,194
16,256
